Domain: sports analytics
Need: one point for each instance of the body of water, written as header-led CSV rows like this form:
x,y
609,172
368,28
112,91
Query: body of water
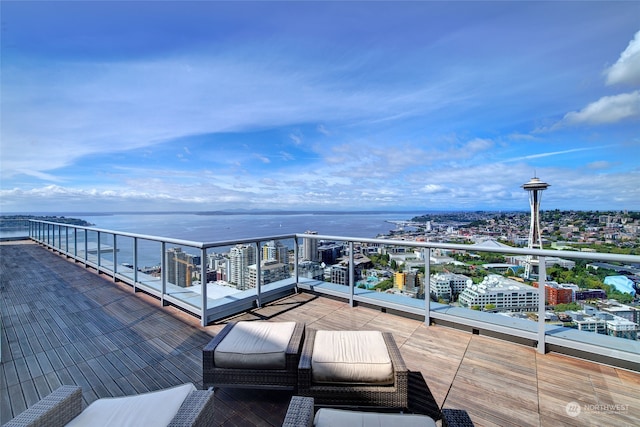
x,y
222,227
218,227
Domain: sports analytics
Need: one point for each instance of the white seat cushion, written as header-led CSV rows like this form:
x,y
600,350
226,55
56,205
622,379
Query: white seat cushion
x,y
255,345
149,409
354,357
337,418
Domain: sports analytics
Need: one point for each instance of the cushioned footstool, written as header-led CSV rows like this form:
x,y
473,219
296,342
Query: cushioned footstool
x,y
352,368
254,354
301,414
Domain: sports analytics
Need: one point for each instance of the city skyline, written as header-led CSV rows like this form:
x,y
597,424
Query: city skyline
x,y
206,106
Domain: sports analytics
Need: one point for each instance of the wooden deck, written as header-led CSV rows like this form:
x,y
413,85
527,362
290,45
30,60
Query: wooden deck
x,y
64,324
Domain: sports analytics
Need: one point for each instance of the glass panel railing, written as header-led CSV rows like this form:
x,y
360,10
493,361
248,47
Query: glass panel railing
x,y
124,256
148,260
585,299
183,273
107,252
90,250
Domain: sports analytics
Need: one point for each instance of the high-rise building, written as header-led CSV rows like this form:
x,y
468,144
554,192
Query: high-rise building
x,y
399,279
310,270
340,274
329,252
535,187
180,267
310,247
240,258
270,271
273,250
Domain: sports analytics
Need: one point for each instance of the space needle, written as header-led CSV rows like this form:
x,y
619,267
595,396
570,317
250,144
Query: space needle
x,y
535,187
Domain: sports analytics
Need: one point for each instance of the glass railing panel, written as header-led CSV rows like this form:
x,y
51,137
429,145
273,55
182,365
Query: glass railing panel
x,y
81,235
107,252
125,256
73,239
183,273
149,262
223,277
14,228
90,249
324,264
276,262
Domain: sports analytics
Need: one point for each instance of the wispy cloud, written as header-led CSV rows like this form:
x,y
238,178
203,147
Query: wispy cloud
x,y
606,110
626,70
283,113
553,153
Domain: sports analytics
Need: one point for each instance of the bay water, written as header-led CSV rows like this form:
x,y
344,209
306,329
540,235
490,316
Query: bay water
x,y
233,226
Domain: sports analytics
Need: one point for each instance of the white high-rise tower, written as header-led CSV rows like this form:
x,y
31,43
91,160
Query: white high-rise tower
x,y
535,186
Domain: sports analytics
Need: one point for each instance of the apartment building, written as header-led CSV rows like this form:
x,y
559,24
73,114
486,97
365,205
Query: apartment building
x,y
501,293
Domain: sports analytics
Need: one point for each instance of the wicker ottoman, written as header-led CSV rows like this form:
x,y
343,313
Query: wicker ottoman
x,y
353,368
254,355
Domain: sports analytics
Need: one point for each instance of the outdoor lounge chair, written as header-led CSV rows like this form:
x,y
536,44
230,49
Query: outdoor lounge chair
x,y
254,354
301,414
353,368
177,406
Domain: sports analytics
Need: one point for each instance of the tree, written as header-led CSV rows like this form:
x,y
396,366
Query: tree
x,y
572,306
384,285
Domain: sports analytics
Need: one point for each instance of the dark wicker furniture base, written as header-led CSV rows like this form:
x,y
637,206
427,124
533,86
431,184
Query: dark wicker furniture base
x,y
386,396
253,378
65,403
301,413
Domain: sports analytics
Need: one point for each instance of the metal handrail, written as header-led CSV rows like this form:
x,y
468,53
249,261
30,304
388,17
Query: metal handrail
x,y
45,233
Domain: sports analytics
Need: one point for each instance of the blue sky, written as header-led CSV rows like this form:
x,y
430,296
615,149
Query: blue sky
x,y
146,106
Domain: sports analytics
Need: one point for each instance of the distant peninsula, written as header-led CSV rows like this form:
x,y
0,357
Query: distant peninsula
x,y
15,222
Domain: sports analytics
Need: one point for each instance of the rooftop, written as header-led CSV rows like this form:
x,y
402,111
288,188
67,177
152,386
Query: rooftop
x,y
64,324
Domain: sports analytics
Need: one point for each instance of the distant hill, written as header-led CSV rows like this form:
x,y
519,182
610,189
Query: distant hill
x,y
15,222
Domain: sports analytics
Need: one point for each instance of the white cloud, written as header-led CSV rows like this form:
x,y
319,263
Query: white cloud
x,y
599,165
627,69
608,109
83,109
434,189
263,159
323,130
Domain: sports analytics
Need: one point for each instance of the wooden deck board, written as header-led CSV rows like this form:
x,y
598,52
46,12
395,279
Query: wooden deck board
x,y
64,324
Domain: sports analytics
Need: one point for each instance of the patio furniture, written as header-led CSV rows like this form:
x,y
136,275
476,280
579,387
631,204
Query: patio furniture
x,y
301,413
254,354
352,368
177,406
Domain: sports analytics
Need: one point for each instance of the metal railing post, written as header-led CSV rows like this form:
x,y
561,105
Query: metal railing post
x,y
542,279
258,274
351,274
75,244
99,251
163,271
135,263
86,247
115,256
427,286
296,273
203,281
